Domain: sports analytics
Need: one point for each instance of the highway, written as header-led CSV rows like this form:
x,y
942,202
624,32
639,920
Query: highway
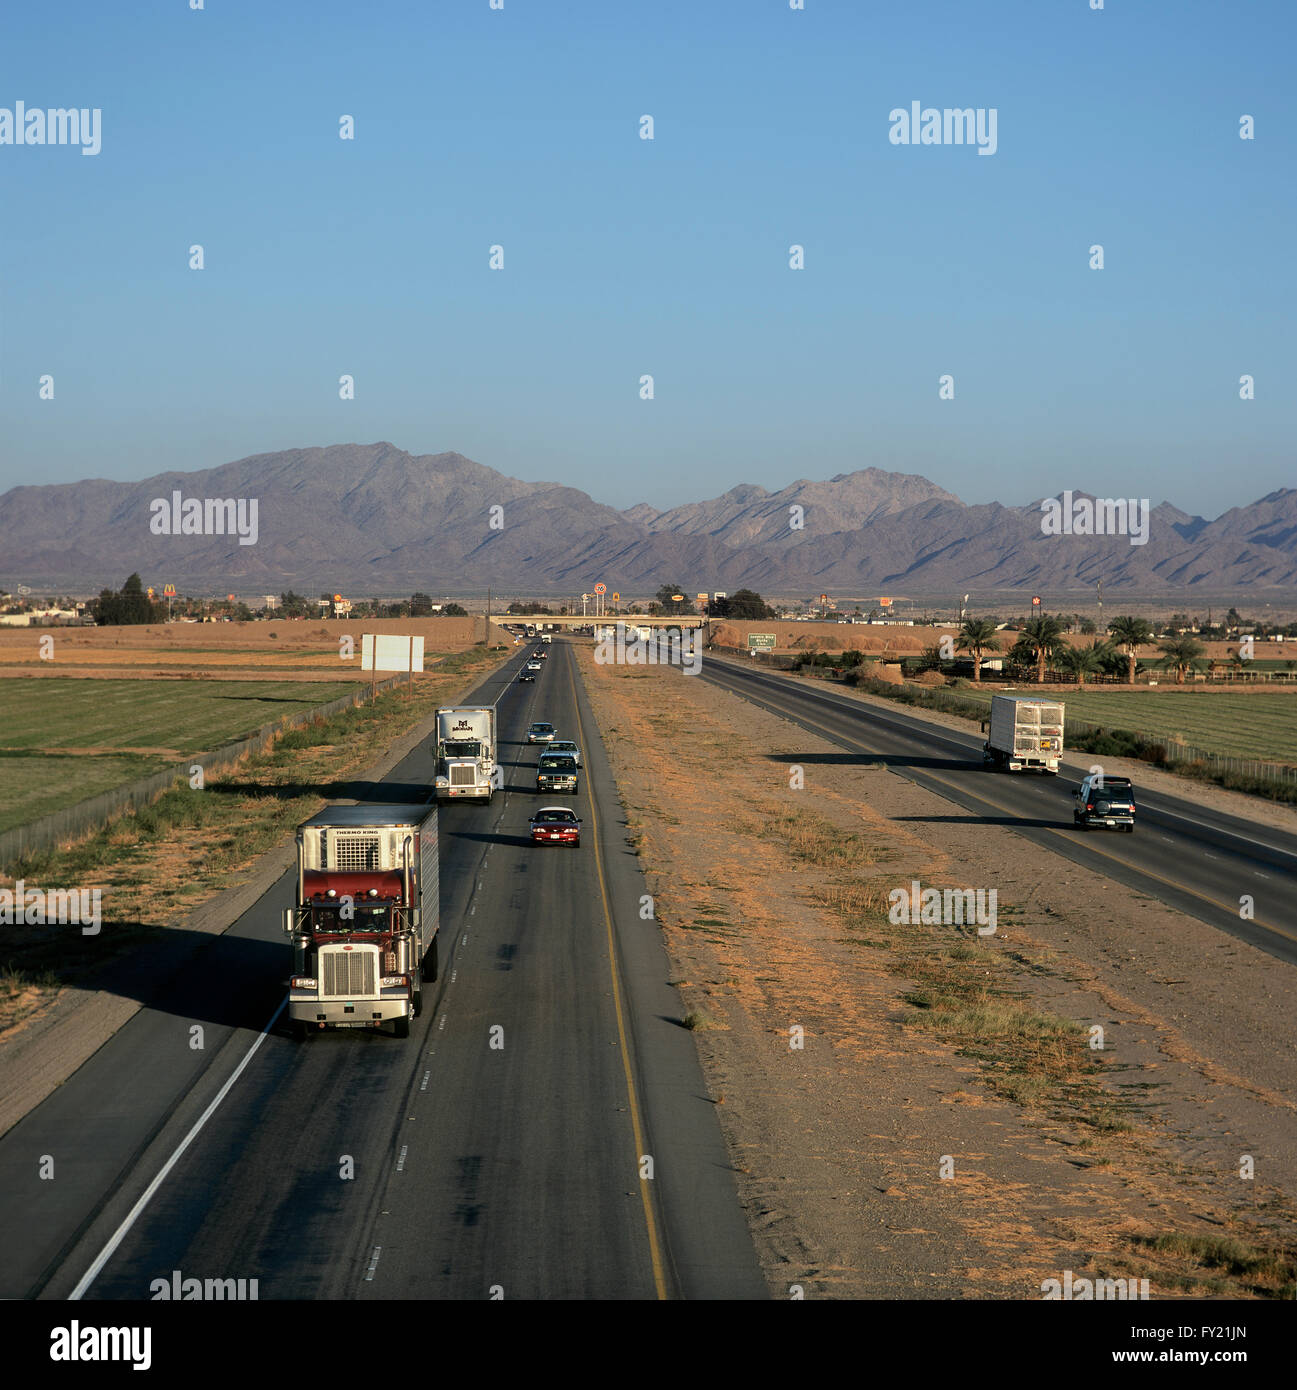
x,y
1190,857
357,1165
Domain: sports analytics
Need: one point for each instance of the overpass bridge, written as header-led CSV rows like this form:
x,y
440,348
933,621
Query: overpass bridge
x,y
569,621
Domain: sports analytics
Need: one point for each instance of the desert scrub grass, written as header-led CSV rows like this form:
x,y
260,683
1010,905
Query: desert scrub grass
x,y
988,1019
700,1021
1266,1271
811,839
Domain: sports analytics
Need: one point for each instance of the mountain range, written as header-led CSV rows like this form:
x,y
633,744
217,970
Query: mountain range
x,y
373,519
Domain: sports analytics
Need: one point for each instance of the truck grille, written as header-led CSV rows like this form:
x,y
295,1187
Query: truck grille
x,y
345,973
463,776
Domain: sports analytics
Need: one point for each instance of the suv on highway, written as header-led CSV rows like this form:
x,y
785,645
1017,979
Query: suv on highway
x,y
1104,800
540,732
556,772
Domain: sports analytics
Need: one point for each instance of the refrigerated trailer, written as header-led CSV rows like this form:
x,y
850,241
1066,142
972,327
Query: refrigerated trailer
x,y
1026,732
364,924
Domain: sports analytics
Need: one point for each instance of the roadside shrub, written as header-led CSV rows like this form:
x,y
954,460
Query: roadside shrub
x,y
931,678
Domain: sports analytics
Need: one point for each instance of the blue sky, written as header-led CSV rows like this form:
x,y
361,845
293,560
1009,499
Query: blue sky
x,y
670,257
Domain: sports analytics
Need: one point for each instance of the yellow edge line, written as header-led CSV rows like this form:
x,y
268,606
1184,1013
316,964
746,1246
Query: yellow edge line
x,y
655,1253
1062,834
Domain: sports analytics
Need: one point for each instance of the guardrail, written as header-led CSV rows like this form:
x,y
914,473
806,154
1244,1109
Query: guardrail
x,y
77,820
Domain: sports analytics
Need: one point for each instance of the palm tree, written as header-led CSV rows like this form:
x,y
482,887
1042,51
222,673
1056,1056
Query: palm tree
x,y
1179,654
1042,638
1082,661
1130,633
977,635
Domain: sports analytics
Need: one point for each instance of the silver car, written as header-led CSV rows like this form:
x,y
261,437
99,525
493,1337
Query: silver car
x,y
565,745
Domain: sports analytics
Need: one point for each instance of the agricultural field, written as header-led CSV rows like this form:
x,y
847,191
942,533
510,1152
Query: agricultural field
x,y
303,650
118,703
1247,723
63,740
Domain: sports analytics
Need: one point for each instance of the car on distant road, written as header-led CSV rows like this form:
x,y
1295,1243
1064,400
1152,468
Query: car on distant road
x,y
527,675
540,732
533,665
556,825
566,746
540,655
1108,801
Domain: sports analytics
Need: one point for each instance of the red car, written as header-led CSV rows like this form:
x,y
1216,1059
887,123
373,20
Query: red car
x,y
556,825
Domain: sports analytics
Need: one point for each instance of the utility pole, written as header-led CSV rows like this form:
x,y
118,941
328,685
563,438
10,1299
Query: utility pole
x,y
1101,607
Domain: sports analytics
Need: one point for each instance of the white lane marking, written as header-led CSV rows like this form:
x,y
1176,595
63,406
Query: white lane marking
x,y
441,1023
472,909
423,1085
464,940
373,1263
1259,874
453,973
400,1162
133,1215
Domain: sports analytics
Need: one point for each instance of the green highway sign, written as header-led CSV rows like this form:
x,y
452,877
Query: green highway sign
x,y
761,641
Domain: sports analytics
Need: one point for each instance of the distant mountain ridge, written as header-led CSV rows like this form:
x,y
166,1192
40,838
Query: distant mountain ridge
x,y
374,519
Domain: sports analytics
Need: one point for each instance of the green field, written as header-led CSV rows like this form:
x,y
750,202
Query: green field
x,y
62,741
1238,724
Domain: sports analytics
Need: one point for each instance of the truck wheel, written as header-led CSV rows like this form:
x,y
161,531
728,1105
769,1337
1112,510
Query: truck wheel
x,y
401,1027
418,1002
430,963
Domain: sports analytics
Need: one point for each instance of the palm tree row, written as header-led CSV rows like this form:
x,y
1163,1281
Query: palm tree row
x,y
1041,641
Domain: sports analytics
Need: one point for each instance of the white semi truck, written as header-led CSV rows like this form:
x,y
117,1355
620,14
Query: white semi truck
x,y
364,925
1026,732
466,753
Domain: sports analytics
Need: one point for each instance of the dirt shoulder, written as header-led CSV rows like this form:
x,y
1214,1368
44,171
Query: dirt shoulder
x,y
943,1124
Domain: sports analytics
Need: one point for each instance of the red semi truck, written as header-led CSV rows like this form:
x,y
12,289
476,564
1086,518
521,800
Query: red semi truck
x,y
364,927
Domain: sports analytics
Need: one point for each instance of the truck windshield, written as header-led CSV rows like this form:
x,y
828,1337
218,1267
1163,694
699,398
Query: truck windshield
x,y
362,919
463,748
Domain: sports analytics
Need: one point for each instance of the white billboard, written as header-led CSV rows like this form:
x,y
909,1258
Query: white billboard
x,y
381,653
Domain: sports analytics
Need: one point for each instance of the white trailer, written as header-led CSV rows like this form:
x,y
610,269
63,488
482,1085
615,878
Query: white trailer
x,y
364,925
1026,732
466,753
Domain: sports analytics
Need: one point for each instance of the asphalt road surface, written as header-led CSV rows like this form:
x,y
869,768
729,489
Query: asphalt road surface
x,y
1188,856
577,1157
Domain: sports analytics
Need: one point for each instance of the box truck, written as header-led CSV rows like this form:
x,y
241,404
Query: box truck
x,y
465,753
364,924
1026,732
